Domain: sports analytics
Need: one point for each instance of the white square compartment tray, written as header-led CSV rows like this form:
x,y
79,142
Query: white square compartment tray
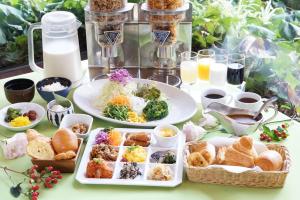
x,y
177,168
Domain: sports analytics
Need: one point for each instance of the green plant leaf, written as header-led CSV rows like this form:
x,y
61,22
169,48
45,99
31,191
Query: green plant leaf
x,y
270,133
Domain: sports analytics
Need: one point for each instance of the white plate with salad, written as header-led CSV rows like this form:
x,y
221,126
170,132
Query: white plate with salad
x,y
134,102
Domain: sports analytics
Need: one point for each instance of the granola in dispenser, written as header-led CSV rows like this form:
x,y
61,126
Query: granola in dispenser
x,y
165,4
106,5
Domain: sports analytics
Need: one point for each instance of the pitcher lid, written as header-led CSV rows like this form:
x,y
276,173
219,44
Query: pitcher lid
x,y
59,21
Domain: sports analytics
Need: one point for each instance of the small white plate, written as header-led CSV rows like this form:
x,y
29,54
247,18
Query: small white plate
x,y
71,119
25,107
181,105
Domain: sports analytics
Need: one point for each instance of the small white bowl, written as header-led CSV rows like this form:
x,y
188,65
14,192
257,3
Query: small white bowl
x,y
55,117
25,107
71,119
166,142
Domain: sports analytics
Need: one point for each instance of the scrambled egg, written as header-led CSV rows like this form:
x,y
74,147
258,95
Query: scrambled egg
x,y
135,154
134,117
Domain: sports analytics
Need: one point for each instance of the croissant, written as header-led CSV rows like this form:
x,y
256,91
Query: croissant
x,y
241,153
202,154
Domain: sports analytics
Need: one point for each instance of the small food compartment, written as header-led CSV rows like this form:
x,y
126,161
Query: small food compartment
x,y
165,4
107,5
65,166
160,172
104,151
80,124
137,154
100,169
162,155
137,139
130,171
109,136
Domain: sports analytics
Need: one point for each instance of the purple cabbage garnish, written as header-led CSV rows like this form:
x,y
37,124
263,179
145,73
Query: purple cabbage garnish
x,y
121,76
101,137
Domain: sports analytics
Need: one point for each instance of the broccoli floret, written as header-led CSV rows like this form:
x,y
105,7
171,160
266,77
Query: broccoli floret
x,y
155,110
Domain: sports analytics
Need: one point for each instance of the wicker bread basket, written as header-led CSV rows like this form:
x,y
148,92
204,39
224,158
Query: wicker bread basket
x,y
270,179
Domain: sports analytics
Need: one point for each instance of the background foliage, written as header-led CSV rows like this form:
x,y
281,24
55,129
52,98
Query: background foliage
x,y
268,32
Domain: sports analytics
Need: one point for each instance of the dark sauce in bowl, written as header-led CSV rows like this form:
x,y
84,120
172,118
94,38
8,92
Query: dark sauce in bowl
x,y
247,100
214,96
245,119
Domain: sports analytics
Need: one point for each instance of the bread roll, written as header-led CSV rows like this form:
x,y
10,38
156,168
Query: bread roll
x,y
64,140
241,153
202,154
40,149
65,156
269,161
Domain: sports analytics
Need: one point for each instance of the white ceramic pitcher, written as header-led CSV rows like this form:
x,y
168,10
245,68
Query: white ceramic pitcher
x,y
61,55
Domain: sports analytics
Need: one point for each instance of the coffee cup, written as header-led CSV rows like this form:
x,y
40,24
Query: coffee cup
x,y
215,95
249,101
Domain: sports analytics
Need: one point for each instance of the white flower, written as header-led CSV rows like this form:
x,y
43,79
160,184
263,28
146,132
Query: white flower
x,y
193,132
15,147
208,121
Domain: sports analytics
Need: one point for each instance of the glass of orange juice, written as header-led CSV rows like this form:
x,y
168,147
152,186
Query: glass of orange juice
x,y
205,59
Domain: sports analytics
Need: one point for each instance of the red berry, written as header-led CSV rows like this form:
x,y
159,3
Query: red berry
x,y
33,176
48,185
48,179
59,177
35,188
54,181
284,136
279,135
34,198
50,168
283,126
35,194
55,172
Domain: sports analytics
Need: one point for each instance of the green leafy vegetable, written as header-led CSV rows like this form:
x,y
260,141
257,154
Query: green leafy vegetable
x,y
118,112
156,110
12,114
169,158
148,92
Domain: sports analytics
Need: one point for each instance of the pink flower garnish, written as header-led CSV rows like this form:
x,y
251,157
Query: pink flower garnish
x,y
121,76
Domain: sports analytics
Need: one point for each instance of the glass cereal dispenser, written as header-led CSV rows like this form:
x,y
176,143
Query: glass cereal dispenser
x,y
164,17
104,27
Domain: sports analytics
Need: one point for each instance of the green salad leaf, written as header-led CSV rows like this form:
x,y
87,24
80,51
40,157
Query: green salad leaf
x,y
148,92
118,112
